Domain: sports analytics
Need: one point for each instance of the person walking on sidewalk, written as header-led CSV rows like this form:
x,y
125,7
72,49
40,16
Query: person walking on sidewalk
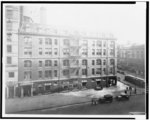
x,y
135,90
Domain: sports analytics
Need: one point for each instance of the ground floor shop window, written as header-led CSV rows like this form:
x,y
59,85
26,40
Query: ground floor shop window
x,y
47,87
84,84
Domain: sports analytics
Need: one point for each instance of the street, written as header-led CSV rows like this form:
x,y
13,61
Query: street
x,y
135,104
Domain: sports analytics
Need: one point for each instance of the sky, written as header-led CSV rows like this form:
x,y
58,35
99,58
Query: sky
x,y
127,22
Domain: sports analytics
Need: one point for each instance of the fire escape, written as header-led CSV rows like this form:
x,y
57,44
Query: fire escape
x,y
74,58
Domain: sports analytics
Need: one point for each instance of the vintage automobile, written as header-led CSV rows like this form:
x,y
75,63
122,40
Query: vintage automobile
x,y
106,99
122,97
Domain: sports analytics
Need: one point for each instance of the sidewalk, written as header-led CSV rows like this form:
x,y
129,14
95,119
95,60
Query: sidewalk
x,y
127,72
40,102
138,89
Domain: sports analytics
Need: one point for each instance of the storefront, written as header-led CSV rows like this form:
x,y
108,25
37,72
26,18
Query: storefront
x,y
84,83
98,82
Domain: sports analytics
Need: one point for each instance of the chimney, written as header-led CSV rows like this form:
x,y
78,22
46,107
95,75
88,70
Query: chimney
x,y
43,17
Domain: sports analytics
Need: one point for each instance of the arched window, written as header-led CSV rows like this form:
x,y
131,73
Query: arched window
x,y
104,62
98,61
112,62
84,62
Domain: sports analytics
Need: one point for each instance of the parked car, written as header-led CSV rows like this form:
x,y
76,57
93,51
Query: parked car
x,y
106,99
122,97
98,88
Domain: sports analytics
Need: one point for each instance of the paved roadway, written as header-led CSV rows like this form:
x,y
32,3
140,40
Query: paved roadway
x,y
135,104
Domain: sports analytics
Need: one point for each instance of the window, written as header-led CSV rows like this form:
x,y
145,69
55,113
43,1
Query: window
x,y
48,73
9,48
9,60
104,43
84,42
104,70
40,63
40,74
93,71
111,70
66,42
48,51
84,71
9,14
55,73
66,51
112,62
111,52
55,63
104,62
76,62
40,51
112,44
84,51
65,62
98,62
93,62
99,51
65,72
99,43
55,51
27,51
56,41
11,74
104,52
9,25
40,41
27,75
9,35
48,41
27,63
98,71
93,44
27,41
84,62
93,51
77,72
48,63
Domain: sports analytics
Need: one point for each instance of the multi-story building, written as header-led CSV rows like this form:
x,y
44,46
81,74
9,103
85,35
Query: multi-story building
x,y
132,58
49,59
12,22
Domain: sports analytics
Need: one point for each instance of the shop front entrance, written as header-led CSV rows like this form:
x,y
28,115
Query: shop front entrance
x,y
27,90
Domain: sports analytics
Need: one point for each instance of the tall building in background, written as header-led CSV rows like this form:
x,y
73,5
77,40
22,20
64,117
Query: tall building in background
x,y
50,60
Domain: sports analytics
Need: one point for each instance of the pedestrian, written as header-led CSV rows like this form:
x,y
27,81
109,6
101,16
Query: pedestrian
x,y
135,90
94,101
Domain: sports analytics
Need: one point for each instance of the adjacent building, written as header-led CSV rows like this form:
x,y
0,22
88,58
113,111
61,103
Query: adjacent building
x,y
132,58
12,23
